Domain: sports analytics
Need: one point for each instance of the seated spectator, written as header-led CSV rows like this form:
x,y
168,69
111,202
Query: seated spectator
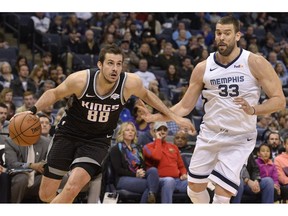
x,y
140,124
148,78
167,57
167,159
145,52
128,163
38,75
6,97
25,185
6,75
251,184
181,141
21,60
267,168
129,54
4,185
22,83
57,26
171,81
146,136
45,125
4,123
89,45
274,140
28,102
281,163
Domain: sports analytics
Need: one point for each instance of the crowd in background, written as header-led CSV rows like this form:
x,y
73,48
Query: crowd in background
x,y
162,48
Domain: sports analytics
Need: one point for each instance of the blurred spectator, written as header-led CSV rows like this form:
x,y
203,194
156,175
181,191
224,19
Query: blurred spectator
x,y
57,26
39,25
146,136
274,140
21,60
181,54
153,24
176,33
194,49
281,163
273,59
70,46
6,75
98,21
171,81
22,83
186,70
181,141
129,55
11,108
108,38
89,45
48,84
150,39
279,69
140,124
146,76
38,75
3,43
4,123
28,102
167,57
45,125
146,53
182,38
74,25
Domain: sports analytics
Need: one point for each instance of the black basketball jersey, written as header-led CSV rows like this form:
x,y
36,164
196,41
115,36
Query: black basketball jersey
x,y
92,115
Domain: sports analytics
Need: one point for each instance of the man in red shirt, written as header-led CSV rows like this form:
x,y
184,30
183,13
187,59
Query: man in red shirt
x,y
166,157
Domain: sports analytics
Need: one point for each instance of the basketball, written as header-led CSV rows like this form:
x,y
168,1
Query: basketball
x,y
25,129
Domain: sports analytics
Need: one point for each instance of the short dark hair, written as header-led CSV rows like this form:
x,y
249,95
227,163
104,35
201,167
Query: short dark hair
x,y
3,105
230,20
113,48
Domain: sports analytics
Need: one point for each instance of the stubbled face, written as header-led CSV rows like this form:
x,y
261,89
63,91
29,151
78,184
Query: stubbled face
x,y
111,67
274,140
226,39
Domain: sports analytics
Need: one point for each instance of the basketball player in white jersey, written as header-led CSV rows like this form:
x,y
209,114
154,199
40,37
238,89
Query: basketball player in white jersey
x,y
230,81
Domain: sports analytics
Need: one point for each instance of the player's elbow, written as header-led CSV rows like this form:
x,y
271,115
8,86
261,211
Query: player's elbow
x,y
282,104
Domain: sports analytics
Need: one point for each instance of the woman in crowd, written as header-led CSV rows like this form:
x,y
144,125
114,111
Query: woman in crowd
x,y
128,164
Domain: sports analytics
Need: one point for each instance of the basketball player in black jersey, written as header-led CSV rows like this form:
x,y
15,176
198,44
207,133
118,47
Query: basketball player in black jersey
x,y
83,135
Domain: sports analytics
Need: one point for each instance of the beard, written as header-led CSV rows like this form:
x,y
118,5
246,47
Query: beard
x,y
227,51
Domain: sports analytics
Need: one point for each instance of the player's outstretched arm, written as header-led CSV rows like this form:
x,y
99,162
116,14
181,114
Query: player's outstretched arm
x,y
135,87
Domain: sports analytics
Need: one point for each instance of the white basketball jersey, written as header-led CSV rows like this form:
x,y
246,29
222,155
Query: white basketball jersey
x,y
221,84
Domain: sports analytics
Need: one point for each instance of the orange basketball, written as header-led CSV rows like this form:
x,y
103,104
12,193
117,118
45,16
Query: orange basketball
x,y
25,129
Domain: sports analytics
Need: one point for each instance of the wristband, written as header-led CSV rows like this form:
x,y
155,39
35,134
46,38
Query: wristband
x,y
33,110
